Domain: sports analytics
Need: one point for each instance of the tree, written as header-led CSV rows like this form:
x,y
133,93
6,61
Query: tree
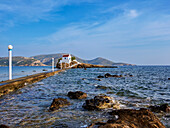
x,y
73,58
59,59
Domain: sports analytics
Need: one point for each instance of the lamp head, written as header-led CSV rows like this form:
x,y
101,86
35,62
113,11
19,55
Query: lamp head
x,y
10,47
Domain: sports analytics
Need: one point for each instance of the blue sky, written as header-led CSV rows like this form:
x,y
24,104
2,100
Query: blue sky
x,y
132,31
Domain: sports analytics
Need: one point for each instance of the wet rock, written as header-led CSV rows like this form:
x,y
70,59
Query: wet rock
x,y
101,102
129,118
159,108
117,76
102,87
107,75
77,95
44,69
168,78
58,103
3,126
120,75
98,79
34,70
131,75
100,76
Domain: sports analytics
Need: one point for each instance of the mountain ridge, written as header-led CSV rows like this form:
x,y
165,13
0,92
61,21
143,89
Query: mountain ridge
x,y
45,60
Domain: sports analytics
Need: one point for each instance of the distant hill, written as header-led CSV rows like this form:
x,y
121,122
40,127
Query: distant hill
x,y
21,61
46,59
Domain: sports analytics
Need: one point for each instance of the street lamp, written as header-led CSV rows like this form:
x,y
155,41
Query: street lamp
x,y
10,61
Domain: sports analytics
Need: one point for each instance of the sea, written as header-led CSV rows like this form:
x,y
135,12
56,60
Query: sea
x,y
21,71
28,107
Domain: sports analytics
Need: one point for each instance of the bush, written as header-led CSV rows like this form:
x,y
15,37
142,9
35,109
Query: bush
x,y
73,58
59,59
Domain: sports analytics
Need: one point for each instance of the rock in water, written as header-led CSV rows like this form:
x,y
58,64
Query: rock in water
x,y
101,102
100,76
129,118
163,107
117,76
77,95
58,103
107,75
168,78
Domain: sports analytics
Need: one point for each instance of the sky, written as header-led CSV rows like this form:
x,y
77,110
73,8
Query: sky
x,y
131,31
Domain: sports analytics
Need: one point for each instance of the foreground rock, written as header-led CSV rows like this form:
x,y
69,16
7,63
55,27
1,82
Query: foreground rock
x,y
159,108
101,102
77,95
58,103
128,118
168,78
3,126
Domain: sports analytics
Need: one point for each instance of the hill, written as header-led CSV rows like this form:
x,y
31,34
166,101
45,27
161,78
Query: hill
x,y
46,59
21,61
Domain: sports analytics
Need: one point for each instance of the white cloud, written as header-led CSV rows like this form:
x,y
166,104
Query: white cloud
x,y
25,11
133,14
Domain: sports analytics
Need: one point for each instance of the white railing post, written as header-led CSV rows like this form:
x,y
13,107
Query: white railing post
x,y
61,64
52,64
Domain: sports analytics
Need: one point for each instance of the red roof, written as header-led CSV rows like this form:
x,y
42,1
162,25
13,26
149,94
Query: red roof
x,y
66,55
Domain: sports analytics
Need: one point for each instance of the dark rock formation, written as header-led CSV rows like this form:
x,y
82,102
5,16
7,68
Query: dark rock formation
x,y
3,126
101,102
100,76
131,75
117,76
77,95
128,118
44,69
58,103
102,87
107,75
168,78
163,107
98,79
85,65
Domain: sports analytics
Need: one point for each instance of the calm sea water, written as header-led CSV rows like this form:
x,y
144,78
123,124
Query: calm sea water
x,y
28,107
21,71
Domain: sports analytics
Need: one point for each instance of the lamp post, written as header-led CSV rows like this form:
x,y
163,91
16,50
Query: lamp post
x,y
52,64
10,61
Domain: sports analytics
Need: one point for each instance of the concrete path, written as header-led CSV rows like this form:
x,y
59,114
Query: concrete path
x,y
12,85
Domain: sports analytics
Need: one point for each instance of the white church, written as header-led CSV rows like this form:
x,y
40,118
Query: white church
x,y
66,58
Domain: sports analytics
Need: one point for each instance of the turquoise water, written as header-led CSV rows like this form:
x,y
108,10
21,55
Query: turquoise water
x,y
29,106
22,71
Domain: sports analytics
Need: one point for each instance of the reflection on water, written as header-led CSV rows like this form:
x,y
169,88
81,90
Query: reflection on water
x,y
28,107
